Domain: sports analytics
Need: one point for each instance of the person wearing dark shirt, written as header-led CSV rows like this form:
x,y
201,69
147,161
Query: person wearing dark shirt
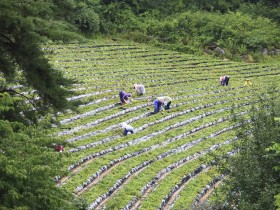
x,y
224,80
124,97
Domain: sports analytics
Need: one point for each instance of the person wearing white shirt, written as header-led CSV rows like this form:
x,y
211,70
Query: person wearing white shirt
x,y
128,129
166,100
139,88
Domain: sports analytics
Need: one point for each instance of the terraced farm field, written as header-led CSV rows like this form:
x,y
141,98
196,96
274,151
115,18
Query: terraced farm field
x,y
168,162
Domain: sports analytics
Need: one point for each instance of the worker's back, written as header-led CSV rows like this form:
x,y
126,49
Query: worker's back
x,y
140,89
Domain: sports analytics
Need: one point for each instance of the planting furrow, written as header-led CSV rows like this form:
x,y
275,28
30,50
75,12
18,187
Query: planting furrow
x,y
169,199
87,135
148,149
76,167
195,71
146,137
89,125
206,191
171,71
127,156
173,193
165,163
161,174
87,95
135,203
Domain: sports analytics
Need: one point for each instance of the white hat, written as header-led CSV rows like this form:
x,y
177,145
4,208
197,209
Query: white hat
x,y
124,125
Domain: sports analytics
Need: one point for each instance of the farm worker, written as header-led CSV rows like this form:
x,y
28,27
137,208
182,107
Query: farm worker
x,y
224,80
247,82
58,148
124,97
139,88
166,100
158,105
128,129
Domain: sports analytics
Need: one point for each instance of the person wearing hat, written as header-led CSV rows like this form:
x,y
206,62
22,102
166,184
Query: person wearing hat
x,y
124,97
166,100
224,80
140,89
128,129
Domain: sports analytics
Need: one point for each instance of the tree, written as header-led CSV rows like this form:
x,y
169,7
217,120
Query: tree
x,y
253,182
28,163
23,27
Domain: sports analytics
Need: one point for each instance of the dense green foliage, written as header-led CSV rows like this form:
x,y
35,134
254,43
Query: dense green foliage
x,y
253,179
28,164
234,32
238,27
23,26
28,161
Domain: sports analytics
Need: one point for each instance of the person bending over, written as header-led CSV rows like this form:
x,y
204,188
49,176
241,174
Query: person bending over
x,y
140,89
128,129
124,97
166,100
158,105
224,80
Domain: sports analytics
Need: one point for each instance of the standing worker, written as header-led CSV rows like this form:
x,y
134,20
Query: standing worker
x,y
166,100
124,97
140,89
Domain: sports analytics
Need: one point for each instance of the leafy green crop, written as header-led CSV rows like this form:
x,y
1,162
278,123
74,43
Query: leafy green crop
x,y
114,171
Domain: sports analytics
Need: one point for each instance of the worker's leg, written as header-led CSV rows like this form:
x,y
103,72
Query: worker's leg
x,y
125,132
168,105
121,96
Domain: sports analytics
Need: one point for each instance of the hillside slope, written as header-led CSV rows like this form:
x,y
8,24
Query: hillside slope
x,y
167,162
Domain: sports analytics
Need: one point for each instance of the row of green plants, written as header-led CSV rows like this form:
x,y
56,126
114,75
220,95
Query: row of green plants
x,y
127,150
147,130
143,126
152,184
31,88
102,172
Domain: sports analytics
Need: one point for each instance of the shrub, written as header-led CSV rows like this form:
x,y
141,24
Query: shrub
x,y
87,21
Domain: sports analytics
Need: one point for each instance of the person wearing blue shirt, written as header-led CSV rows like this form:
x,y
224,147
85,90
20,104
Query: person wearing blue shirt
x,y
158,105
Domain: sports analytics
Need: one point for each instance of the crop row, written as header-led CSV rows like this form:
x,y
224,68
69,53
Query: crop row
x,y
166,162
145,138
132,109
